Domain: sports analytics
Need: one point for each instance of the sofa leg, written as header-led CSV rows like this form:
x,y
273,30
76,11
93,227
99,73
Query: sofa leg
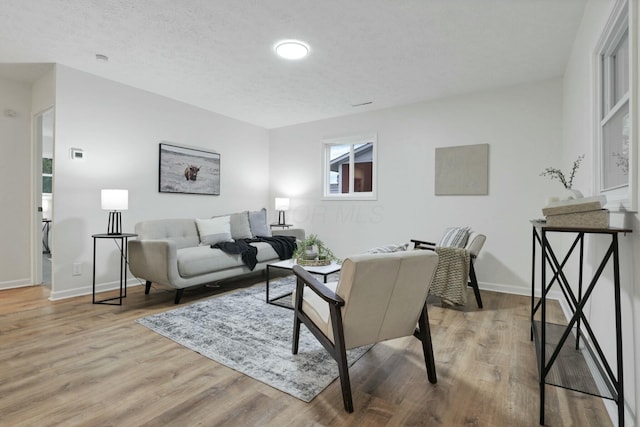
x,y
147,287
179,293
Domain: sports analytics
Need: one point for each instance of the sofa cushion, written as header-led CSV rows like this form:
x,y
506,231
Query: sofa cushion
x,y
258,222
204,259
200,260
214,230
265,251
240,228
183,232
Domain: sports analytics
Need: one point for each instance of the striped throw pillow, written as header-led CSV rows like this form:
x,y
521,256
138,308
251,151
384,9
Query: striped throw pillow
x,y
386,249
454,237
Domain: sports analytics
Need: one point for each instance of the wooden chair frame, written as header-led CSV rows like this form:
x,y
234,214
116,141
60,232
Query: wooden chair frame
x,y
338,349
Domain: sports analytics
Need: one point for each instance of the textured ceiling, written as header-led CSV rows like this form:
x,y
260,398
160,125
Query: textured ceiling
x,y
218,54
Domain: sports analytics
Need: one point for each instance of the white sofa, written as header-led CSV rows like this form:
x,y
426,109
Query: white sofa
x,y
169,252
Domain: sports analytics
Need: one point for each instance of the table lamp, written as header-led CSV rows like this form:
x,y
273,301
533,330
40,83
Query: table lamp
x,y
115,201
282,205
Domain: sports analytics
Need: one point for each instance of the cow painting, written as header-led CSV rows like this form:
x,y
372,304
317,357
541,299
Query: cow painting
x,y
191,172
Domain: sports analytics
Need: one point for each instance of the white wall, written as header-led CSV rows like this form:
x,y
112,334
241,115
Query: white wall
x,y
521,124
15,184
579,138
119,129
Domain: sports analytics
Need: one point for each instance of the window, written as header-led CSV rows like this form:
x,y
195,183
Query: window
x,y
350,167
615,145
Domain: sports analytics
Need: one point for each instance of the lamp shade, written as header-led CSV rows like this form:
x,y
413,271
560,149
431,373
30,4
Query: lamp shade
x,y
282,203
115,200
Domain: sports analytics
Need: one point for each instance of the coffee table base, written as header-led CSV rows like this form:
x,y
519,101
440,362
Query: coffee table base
x,y
324,271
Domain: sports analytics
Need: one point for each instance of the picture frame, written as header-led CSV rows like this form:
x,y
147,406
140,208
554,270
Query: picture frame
x,y
187,170
462,170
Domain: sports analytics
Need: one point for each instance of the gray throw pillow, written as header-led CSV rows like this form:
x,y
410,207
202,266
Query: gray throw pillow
x,y
240,228
258,223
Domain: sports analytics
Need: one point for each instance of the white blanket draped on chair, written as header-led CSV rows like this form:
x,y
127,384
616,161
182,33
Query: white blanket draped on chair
x,y
452,274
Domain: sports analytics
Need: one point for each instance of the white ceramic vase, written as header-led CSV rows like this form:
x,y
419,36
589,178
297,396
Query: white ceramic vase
x,y
570,193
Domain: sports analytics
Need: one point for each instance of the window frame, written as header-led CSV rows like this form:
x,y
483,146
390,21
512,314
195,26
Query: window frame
x,y
622,20
352,141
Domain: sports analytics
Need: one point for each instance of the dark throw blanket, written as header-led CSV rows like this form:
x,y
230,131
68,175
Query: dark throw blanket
x,y
283,245
241,247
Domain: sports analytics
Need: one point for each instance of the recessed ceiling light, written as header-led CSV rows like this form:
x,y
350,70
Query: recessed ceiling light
x,y
291,49
101,57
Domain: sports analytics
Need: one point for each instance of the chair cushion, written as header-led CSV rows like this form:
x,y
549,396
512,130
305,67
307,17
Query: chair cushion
x,y
475,243
454,237
317,309
384,294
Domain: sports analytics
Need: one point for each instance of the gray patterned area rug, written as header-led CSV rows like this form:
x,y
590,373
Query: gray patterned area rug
x,y
240,330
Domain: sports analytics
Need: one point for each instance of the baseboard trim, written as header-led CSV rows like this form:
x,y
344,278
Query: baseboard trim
x,y
87,290
518,290
22,283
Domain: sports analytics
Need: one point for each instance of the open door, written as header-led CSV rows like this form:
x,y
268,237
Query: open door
x,y
42,197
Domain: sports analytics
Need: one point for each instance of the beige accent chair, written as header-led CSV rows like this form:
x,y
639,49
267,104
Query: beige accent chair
x,y
474,244
378,297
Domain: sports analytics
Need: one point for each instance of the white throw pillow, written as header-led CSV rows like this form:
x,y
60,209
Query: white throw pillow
x,y
214,230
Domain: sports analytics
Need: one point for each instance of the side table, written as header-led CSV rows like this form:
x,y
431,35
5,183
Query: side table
x,y
123,237
283,226
570,349
46,227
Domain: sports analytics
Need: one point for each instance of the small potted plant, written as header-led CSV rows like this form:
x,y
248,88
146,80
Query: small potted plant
x,y
313,251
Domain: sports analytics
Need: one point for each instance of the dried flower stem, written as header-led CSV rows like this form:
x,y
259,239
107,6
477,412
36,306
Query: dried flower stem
x,y
554,173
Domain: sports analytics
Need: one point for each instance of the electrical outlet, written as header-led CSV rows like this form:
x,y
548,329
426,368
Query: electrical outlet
x,y
77,269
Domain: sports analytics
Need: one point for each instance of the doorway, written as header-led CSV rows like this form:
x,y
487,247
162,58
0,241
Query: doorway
x,y
43,196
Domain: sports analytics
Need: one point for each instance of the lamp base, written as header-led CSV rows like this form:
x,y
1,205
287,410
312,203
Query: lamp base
x,y
115,223
281,220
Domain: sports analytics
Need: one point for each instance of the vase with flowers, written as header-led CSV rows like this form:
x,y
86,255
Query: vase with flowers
x,y
555,173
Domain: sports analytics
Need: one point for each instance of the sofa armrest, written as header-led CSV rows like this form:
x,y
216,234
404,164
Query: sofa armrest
x,y
298,233
154,260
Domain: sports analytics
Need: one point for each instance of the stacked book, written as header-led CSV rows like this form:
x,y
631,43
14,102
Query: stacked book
x,y
585,212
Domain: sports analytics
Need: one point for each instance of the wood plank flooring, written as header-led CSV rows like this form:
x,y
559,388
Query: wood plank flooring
x,y
71,363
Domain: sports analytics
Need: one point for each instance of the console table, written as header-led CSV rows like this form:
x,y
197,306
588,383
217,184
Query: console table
x,y
568,352
123,237
46,226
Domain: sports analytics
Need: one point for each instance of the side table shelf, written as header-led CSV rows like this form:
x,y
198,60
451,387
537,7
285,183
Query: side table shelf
x,y
570,355
571,369
123,237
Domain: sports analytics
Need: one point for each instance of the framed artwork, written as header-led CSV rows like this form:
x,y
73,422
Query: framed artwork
x,y
188,170
462,170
